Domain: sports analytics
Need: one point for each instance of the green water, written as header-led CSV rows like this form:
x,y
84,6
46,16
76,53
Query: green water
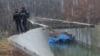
x,y
72,50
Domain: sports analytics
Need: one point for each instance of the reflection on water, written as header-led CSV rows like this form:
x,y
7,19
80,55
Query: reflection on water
x,y
71,50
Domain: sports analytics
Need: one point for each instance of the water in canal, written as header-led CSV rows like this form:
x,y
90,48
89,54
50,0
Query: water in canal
x,y
71,50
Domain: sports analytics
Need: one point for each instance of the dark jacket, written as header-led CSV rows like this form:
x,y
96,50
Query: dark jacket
x,y
24,15
16,17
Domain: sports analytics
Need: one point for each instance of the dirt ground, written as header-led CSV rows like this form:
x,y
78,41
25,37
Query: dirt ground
x,y
7,50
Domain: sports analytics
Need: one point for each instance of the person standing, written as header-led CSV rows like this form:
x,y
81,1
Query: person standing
x,y
17,20
24,15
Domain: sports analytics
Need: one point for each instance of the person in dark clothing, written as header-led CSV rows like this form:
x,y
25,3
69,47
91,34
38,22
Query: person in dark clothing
x,y
24,15
17,20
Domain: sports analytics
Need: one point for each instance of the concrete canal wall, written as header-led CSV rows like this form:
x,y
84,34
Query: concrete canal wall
x,y
95,33
34,42
82,35
86,36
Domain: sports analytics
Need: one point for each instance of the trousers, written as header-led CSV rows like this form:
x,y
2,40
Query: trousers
x,y
18,26
24,23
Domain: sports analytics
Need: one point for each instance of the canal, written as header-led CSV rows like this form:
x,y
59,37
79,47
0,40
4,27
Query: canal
x,y
71,50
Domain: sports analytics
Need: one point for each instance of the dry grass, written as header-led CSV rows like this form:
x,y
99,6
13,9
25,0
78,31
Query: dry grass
x,y
7,50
